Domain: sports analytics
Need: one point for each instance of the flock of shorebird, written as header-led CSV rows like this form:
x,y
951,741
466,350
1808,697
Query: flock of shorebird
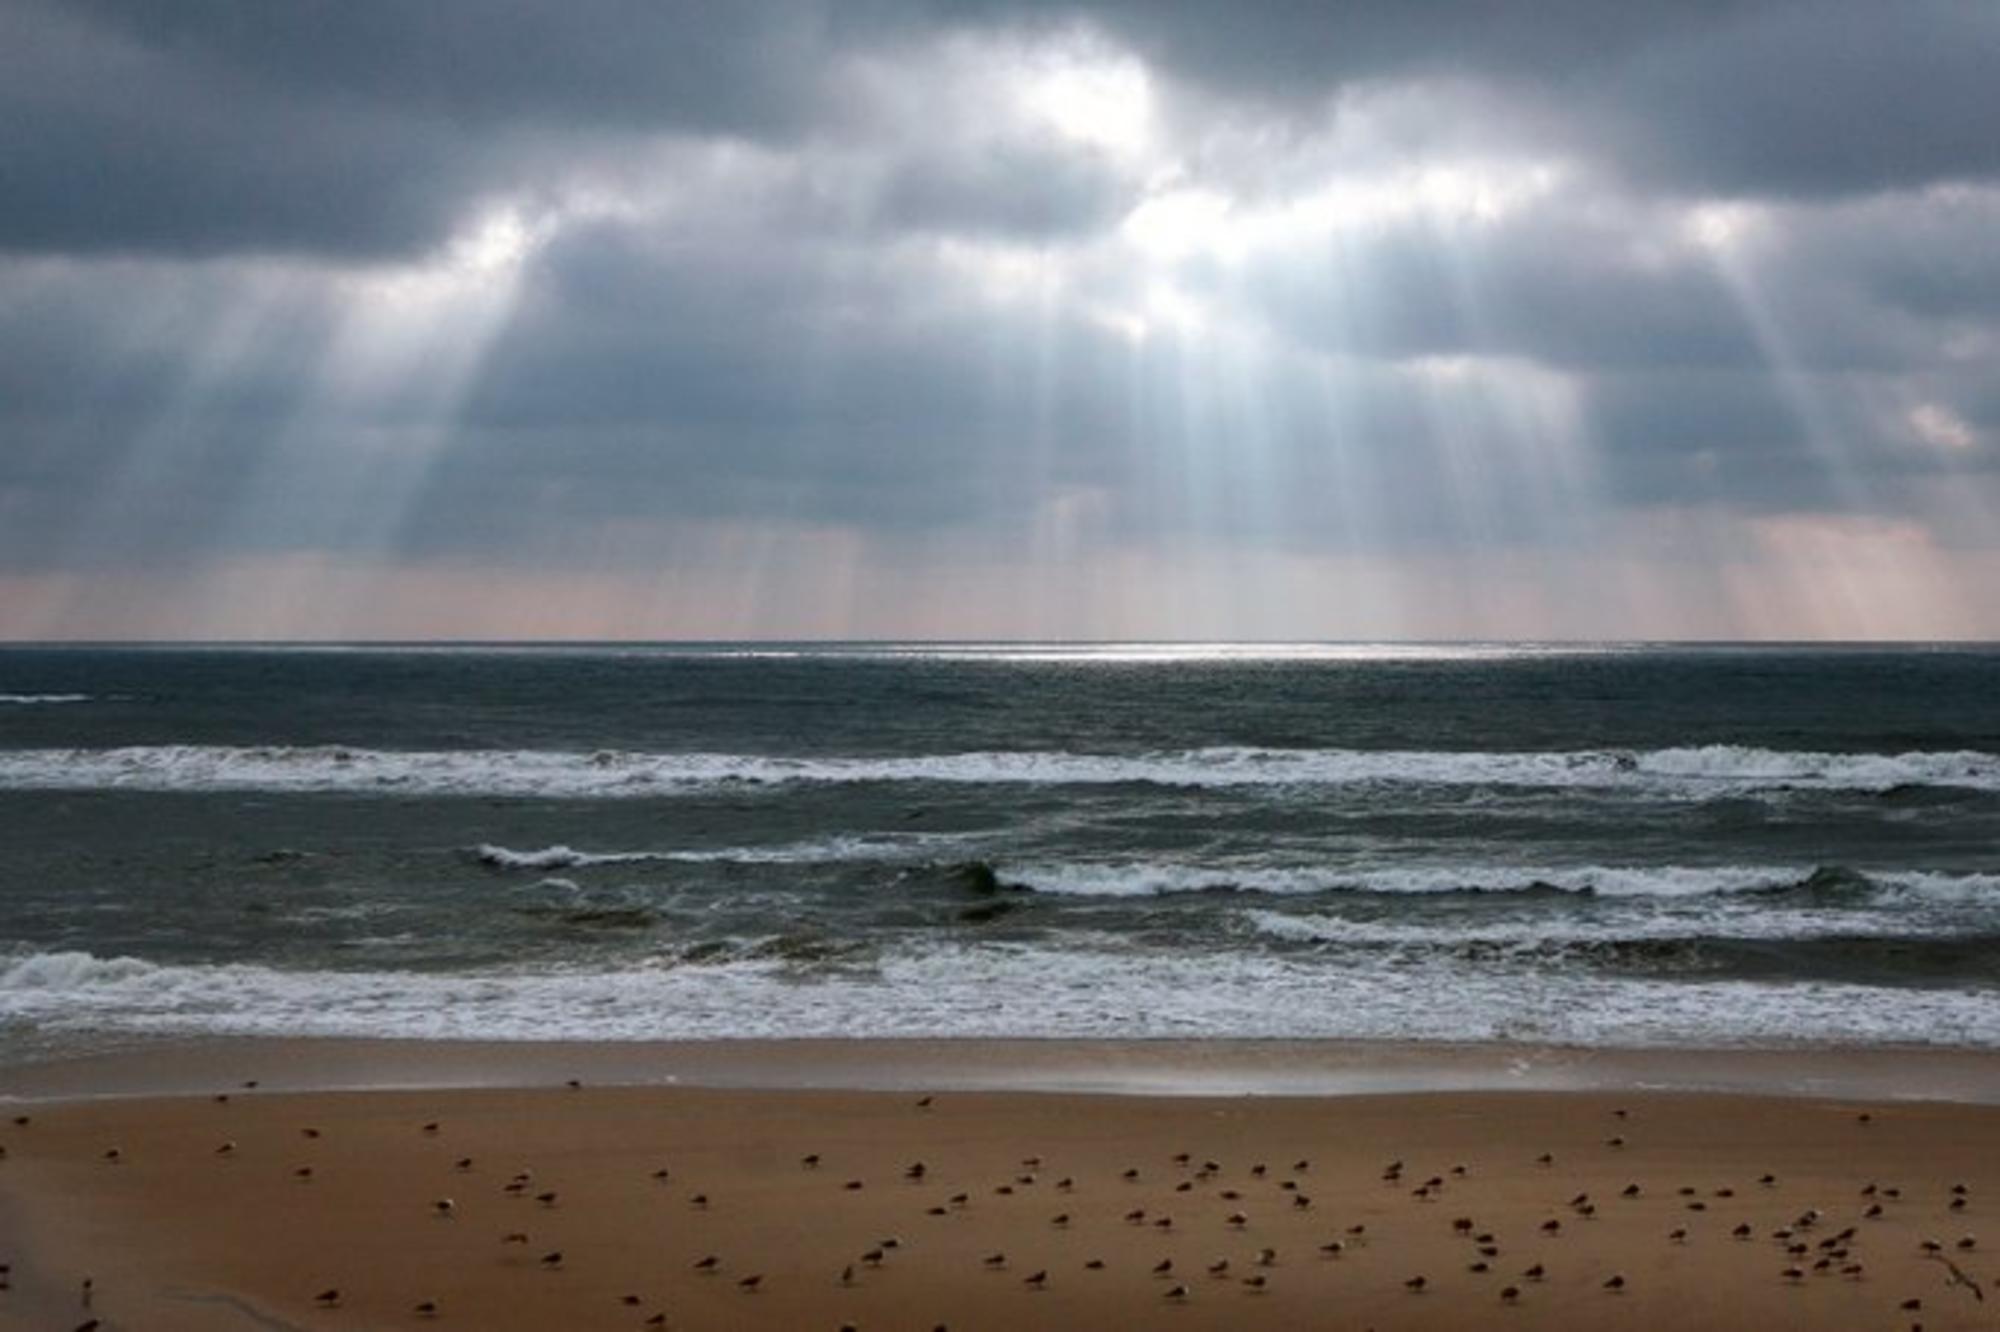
x,y
1810,1244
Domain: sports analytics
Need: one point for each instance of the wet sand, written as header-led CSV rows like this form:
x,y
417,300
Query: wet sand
x,y
202,1220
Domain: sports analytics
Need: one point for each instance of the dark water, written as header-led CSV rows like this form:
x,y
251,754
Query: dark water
x,y
1610,846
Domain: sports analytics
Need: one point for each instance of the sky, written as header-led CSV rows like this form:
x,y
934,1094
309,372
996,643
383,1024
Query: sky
x,y
1274,319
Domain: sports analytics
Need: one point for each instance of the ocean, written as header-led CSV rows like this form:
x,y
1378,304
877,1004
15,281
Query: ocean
x,y
1597,846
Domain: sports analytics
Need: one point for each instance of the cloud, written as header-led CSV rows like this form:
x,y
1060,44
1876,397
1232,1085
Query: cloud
x,y
342,292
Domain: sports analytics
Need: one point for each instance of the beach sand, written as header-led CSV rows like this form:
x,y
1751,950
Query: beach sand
x,y
202,1220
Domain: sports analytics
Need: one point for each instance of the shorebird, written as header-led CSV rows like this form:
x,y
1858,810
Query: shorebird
x,y
1615,1281
915,1170
425,1309
226,1149
444,1207
308,1133
1415,1285
328,1298
995,1260
810,1160
303,1173
1256,1283
1094,1265
1237,1220
515,1237
546,1198
1218,1268
1678,1235
552,1259
923,1103
113,1156
1535,1273
1333,1248
462,1164
700,1200
1178,1293
751,1284
847,1275
1163,1267
1036,1280
708,1264
432,1128
1267,1257
1510,1293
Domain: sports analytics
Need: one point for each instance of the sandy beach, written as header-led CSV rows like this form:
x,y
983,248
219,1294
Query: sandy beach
x,y
552,1206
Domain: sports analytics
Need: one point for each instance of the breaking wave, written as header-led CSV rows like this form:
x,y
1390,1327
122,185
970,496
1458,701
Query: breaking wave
x,y
1699,772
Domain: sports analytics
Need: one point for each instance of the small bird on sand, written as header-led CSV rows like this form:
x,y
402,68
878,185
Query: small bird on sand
x,y
700,1200
1615,1281
1036,1280
924,1102
708,1264
547,1198
1509,1294
847,1275
1163,1267
425,1309
432,1128
1178,1294
810,1160
552,1259
328,1298
751,1284
303,1173
1535,1273
995,1260
462,1164
1094,1265
226,1149
1256,1283
445,1208
515,1237
1333,1248
113,1155
1415,1285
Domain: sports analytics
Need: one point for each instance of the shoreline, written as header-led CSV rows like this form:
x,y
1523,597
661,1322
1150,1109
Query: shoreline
x,y
165,1067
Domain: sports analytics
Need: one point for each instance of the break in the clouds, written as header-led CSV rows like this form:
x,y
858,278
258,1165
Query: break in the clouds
x,y
894,317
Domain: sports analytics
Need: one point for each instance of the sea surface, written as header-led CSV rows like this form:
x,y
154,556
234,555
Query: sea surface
x,y
1601,846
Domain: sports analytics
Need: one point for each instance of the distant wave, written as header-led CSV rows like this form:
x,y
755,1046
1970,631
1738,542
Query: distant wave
x,y
790,853
24,700
1140,879
1681,772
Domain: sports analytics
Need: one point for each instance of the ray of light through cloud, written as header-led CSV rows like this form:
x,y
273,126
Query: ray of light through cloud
x,y
1073,320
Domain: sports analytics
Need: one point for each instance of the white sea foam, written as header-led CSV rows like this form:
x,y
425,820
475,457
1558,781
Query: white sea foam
x,y
27,700
1688,772
994,990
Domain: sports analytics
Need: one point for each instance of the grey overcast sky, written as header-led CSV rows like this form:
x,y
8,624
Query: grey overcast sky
x,y
1000,318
